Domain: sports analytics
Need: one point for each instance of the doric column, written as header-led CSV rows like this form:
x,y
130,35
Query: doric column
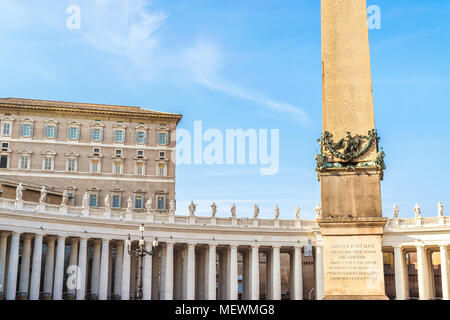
x,y
59,269
276,276
400,273
190,281
81,272
147,276
233,273
297,274
254,272
95,271
118,269
168,290
35,282
444,272
421,272
133,276
73,260
110,273
3,247
103,284
25,265
125,293
319,272
49,266
211,271
11,282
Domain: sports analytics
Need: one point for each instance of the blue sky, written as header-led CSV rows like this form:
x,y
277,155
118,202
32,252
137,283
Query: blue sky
x,y
244,64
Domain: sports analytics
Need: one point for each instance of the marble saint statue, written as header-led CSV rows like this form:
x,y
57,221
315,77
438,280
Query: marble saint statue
x,y
107,202
297,213
440,209
277,212
43,195
417,210
256,212
192,207
396,211
19,192
64,198
213,209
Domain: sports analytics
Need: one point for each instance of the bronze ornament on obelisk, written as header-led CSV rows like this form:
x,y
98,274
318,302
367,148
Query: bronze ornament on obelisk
x,y
350,165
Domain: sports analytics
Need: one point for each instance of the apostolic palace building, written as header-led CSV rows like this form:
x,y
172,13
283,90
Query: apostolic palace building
x,y
77,179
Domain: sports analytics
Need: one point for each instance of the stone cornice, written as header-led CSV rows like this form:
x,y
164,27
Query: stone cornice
x,y
68,109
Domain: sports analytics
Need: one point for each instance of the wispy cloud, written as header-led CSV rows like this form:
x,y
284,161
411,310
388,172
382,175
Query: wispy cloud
x,y
127,33
205,61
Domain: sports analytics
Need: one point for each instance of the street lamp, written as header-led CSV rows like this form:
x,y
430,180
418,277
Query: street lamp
x,y
140,252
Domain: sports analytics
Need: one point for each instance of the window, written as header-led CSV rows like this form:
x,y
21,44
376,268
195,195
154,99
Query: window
x,y
6,131
162,155
97,134
48,163
162,169
74,133
50,131
141,136
71,196
117,167
26,130
95,166
163,138
5,146
161,202
93,200
96,151
119,136
140,153
140,168
24,162
3,161
118,152
138,201
72,164
116,201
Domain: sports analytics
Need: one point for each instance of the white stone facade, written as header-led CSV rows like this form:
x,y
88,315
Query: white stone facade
x,y
184,265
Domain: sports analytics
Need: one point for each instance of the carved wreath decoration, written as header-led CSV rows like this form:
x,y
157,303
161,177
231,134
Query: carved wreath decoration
x,y
349,148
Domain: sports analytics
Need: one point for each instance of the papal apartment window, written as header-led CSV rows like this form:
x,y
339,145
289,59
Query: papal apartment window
x,y
163,138
95,166
118,152
116,201
74,133
141,136
138,201
71,196
26,130
162,155
140,153
5,146
161,202
3,161
48,163
24,162
6,130
118,167
162,169
72,164
140,168
93,200
97,134
119,136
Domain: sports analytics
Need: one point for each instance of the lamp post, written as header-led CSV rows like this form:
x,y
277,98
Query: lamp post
x,y
140,252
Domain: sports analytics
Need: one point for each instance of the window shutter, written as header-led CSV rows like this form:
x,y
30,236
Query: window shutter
x,y
101,134
32,130
56,131
78,133
46,131
92,134
21,129
145,136
68,132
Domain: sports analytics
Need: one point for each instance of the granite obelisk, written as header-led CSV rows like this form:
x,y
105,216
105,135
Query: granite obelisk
x,y
350,165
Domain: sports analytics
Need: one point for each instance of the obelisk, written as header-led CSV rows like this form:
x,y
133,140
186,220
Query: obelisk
x,y
350,165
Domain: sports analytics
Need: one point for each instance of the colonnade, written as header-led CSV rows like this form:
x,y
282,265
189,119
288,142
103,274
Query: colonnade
x,y
425,277
80,267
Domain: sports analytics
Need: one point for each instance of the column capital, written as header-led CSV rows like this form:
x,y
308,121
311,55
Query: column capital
x,y
212,245
233,246
51,238
16,233
276,246
61,237
106,241
28,236
255,245
397,246
444,246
